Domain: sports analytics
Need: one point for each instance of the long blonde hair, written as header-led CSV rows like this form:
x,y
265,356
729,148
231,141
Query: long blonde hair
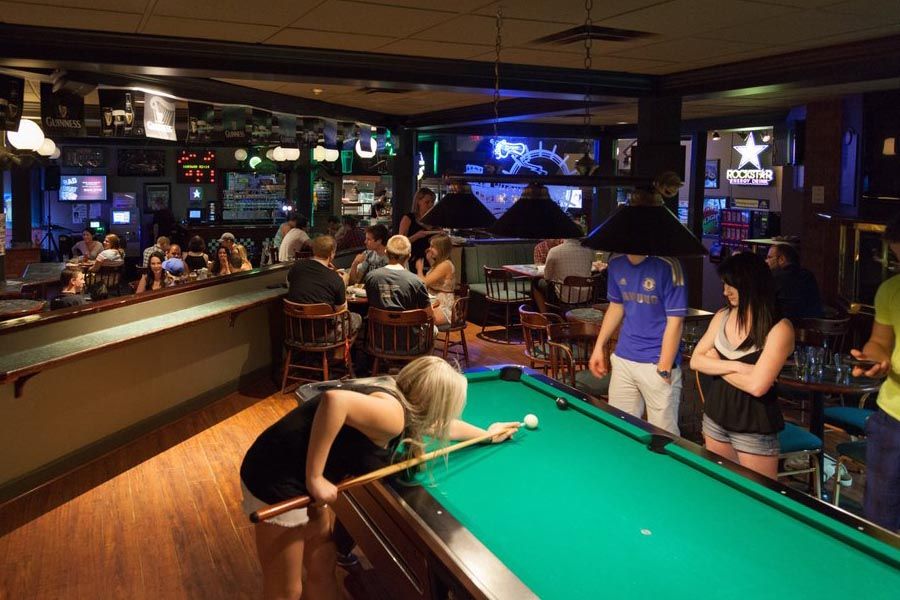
x,y
433,395
443,245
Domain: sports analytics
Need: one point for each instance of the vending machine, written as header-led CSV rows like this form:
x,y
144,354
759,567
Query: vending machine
x,y
125,220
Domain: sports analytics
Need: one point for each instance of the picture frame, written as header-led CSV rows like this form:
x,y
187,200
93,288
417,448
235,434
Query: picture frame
x,y
141,163
157,197
711,178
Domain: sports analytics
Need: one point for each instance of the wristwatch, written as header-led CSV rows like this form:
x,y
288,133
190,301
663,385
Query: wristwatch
x,y
664,374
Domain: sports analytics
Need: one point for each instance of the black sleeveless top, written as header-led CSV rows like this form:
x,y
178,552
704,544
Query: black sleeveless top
x,y
734,409
195,263
419,246
274,468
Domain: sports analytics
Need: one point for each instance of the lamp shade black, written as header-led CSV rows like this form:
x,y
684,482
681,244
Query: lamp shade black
x,y
644,230
535,215
459,209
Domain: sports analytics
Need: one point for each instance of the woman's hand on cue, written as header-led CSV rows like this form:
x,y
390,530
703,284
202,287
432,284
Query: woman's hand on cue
x,y
504,431
321,490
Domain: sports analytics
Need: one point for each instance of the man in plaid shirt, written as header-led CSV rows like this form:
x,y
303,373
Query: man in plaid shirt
x,y
541,250
568,258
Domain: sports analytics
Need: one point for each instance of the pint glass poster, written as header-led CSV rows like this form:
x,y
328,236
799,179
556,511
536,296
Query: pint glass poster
x,y
201,122
62,114
12,91
159,117
119,113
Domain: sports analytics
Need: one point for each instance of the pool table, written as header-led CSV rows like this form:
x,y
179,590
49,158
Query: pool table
x,y
596,504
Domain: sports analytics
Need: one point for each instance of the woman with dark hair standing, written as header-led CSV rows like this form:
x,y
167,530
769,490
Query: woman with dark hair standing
x,y
740,355
412,227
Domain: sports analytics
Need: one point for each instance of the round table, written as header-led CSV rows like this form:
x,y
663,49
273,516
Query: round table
x,y
585,315
13,309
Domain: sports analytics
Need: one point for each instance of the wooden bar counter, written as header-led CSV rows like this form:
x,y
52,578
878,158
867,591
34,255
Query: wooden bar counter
x,y
78,382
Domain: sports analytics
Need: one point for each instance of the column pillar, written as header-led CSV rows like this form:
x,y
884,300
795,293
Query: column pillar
x,y
659,140
405,169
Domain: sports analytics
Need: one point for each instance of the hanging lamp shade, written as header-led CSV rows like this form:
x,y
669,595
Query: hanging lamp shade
x,y
644,230
459,209
535,215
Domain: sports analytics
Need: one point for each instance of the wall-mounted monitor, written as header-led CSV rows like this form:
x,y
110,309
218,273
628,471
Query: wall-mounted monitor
x,y
121,217
195,214
82,188
96,225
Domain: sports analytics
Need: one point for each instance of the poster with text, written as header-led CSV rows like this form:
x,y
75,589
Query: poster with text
x,y
12,92
62,114
234,123
159,117
120,115
201,122
261,127
287,130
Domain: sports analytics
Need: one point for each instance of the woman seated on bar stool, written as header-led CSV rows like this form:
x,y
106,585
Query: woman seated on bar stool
x,y
441,278
112,255
196,257
740,355
222,264
156,277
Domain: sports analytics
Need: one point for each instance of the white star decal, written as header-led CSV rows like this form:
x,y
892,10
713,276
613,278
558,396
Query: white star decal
x,y
750,152
197,194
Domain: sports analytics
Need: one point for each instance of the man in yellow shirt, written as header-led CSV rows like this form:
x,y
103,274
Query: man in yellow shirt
x,y
882,500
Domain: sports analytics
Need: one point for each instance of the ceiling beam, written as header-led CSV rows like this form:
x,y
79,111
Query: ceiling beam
x,y
516,109
853,62
43,47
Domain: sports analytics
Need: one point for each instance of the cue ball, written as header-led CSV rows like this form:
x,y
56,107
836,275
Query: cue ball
x,y
531,421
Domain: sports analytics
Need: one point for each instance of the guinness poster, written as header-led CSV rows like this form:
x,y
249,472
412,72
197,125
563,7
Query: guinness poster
x,y
261,130
287,130
201,122
159,117
234,123
62,114
119,113
12,92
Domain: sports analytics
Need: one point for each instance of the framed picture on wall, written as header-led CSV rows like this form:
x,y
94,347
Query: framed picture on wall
x,y
711,179
141,163
157,196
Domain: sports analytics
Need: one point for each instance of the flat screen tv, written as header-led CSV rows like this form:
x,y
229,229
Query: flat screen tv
x,y
82,188
195,214
121,217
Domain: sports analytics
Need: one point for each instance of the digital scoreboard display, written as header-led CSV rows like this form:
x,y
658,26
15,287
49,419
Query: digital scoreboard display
x,y
196,166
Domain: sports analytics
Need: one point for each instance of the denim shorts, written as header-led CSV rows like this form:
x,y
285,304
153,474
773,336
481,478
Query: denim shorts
x,y
763,444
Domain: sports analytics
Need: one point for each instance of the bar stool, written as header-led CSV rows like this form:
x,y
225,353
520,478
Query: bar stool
x,y
503,290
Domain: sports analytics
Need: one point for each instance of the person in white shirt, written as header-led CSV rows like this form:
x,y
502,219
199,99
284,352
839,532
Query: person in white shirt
x,y
88,247
293,240
112,255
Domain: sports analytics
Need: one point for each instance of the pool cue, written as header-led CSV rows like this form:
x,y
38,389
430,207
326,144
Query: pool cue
x,y
301,501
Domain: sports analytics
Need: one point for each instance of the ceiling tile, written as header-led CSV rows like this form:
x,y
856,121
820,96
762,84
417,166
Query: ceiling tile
x,y
268,86
527,56
215,30
275,12
564,11
483,29
887,10
126,6
687,17
459,6
804,25
72,18
417,47
691,49
343,15
311,38
305,90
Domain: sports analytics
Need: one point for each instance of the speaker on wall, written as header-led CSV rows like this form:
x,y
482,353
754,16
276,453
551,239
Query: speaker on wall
x,y
50,182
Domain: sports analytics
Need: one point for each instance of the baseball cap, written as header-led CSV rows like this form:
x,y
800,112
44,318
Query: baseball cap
x,y
227,236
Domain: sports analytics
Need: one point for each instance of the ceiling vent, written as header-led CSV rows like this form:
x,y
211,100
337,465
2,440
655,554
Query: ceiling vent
x,y
577,35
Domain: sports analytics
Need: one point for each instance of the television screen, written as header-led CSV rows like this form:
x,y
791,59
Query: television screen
x,y
82,188
95,225
121,217
195,214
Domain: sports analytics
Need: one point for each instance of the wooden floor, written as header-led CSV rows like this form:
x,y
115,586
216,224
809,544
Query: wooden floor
x,y
159,518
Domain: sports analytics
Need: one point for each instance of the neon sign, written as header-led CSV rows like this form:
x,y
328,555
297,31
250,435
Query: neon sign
x,y
750,152
525,158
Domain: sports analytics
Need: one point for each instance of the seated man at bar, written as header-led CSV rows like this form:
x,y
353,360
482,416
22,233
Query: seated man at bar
x,y
543,248
72,285
374,257
161,245
293,240
174,265
88,247
394,286
350,235
567,259
313,281
796,291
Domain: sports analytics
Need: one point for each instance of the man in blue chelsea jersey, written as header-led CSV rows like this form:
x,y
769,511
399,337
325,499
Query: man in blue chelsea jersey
x,y
648,297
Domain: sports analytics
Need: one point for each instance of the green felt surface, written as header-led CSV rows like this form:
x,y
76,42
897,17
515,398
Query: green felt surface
x,y
582,509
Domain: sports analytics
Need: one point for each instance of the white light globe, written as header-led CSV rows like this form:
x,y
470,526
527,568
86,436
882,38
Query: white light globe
x,y
319,153
240,154
292,153
28,137
270,153
47,148
56,154
366,153
332,154
279,154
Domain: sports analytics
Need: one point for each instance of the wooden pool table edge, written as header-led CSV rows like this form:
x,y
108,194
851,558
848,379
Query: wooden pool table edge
x,y
448,548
